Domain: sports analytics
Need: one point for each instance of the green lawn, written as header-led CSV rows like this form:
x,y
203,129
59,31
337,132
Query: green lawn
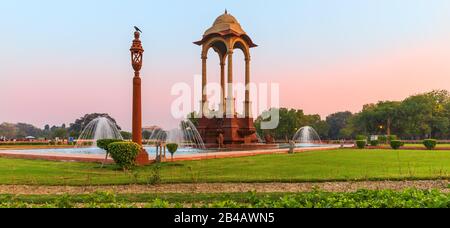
x,y
335,165
421,145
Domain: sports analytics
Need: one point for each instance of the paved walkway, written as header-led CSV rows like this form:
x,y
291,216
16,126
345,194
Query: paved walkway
x,y
230,187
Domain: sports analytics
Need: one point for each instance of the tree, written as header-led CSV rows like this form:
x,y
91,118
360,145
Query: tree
x,y
417,113
19,131
77,127
336,122
287,127
316,122
60,133
379,119
386,113
8,130
193,118
291,120
146,134
440,121
126,135
24,130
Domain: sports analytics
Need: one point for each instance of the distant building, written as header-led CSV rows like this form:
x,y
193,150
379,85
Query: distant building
x,y
150,129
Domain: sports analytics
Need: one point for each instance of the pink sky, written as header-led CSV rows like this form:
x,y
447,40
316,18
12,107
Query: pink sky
x,y
350,83
346,84
327,56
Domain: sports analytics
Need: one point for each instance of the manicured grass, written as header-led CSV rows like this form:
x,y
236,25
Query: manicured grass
x,y
334,165
360,199
421,145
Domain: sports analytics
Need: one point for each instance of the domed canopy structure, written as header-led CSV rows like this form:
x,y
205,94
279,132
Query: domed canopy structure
x,y
224,37
226,24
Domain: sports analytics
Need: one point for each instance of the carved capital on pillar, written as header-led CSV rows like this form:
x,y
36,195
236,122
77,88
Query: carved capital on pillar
x,y
230,52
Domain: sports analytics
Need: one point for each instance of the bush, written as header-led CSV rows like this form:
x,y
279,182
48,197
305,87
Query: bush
x,y
124,153
172,148
155,177
361,137
382,139
392,138
104,143
374,143
396,144
361,144
430,143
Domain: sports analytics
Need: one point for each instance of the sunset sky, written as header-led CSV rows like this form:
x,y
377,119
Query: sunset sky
x,y
62,59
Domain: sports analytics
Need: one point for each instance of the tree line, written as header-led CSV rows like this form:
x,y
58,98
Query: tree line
x,y
420,116
10,131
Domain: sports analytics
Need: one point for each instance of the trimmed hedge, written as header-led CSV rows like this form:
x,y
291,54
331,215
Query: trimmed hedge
x,y
361,144
391,138
124,153
374,143
430,144
382,139
104,143
396,144
172,148
361,137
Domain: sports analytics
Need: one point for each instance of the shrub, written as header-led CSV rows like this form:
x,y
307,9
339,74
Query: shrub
x,y
382,139
104,143
361,137
124,153
374,142
430,143
361,144
172,148
392,138
396,144
155,177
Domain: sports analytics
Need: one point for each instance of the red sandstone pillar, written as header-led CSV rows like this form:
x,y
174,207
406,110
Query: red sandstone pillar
x,y
136,60
248,104
230,112
204,84
222,88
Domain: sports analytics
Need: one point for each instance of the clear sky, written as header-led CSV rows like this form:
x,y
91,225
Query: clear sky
x,y
62,59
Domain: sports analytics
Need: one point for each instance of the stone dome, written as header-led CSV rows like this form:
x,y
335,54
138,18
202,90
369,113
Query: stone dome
x,y
225,26
225,23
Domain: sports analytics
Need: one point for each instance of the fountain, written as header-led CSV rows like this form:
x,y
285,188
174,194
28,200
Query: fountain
x,y
186,136
99,128
307,136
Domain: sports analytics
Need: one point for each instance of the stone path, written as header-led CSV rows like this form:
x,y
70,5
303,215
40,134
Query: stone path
x,y
442,185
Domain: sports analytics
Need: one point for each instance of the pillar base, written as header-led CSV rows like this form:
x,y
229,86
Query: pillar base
x,y
142,158
236,131
230,111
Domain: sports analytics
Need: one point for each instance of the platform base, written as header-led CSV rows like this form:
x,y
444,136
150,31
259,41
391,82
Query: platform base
x,y
142,158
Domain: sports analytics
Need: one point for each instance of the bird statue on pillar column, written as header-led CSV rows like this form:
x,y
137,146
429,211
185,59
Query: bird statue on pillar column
x,y
137,29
